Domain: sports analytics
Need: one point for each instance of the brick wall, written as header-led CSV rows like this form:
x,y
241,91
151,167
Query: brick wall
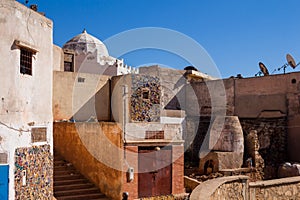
x,y
132,161
177,169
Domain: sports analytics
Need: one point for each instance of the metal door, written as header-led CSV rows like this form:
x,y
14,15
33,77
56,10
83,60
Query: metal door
x,y
155,172
4,182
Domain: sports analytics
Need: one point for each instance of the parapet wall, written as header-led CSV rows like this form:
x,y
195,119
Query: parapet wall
x,y
233,187
93,148
285,188
238,187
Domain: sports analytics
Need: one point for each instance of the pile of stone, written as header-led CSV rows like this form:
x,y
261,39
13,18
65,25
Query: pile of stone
x,y
288,170
202,178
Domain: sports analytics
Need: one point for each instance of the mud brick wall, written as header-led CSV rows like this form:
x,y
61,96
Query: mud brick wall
x,y
37,161
272,136
145,109
215,95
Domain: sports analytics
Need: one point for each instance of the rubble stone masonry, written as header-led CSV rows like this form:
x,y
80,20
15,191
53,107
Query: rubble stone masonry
x,y
272,136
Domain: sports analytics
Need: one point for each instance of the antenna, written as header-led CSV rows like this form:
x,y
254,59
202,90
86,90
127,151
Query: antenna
x,y
263,70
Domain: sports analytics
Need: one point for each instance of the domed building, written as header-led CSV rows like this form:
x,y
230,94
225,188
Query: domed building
x,y
87,54
85,43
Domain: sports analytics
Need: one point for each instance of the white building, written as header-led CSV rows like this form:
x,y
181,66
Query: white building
x,y
26,61
85,53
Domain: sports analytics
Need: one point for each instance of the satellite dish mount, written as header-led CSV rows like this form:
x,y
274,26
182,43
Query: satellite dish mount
x,y
290,62
263,70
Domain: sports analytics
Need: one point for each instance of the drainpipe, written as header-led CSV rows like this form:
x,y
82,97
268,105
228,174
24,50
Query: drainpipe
x,y
125,103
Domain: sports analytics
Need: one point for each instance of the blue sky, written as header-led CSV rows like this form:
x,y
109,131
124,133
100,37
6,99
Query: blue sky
x,y
236,34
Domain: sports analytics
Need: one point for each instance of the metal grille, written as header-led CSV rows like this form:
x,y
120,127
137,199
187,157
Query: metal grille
x,y
26,62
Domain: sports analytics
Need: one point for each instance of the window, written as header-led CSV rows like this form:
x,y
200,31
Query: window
x,y
80,80
68,62
26,61
146,94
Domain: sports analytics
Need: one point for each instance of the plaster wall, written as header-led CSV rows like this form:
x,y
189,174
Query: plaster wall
x,y
58,58
96,150
91,63
210,98
26,101
267,95
137,131
81,96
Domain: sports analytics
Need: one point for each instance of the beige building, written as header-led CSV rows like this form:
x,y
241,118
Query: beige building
x,y
124,129
26,102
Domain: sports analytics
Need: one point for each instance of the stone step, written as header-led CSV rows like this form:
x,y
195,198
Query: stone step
x,y
86,191
67,177
65,172
70,182
83,197
63,167
73,186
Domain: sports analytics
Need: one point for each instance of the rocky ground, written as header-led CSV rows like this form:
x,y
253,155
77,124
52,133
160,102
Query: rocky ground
x,y
193,172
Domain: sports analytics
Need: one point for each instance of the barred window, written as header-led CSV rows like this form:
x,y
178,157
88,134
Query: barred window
x,y
68,62
26,61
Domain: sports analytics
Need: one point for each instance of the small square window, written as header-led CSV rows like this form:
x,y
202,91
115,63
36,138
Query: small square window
x,y
68,62
26,61
146,94
80,80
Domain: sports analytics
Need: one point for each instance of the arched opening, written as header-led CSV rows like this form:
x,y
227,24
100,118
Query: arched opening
x,y
209,167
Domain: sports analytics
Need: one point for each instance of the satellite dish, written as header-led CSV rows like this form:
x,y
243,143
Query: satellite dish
x,y
263,69
291,61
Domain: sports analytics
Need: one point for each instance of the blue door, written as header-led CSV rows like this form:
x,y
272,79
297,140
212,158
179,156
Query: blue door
x,y
4,182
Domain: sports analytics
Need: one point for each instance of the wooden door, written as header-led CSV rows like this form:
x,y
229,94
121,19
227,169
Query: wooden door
x,y
155,172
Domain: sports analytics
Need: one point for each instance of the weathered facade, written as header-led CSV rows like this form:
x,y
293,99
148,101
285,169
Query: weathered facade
x,y
269,105
26,63
132,104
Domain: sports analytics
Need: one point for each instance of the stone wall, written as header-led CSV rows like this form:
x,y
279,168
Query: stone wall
x,y
272,136
238,187
229,191
37,163
226,188
145,99
281,189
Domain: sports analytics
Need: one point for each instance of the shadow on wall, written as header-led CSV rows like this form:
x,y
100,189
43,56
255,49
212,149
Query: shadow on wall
x,y
97,108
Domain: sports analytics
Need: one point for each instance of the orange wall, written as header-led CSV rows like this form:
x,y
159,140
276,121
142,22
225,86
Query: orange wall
x,y
94,149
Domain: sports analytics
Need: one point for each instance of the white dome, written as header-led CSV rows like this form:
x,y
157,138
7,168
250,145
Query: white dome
x,y
85,43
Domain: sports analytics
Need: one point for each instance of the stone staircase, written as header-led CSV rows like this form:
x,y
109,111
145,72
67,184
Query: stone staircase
x,y
69,184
